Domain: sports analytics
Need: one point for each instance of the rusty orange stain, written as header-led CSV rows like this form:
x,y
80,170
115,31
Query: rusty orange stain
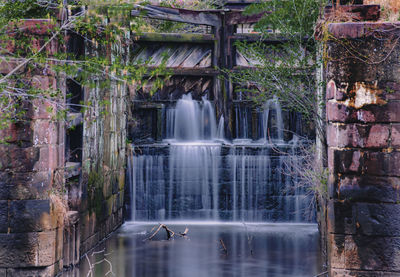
x,y
361,94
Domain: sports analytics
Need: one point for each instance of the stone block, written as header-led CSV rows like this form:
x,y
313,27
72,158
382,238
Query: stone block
x,y
18,250
120,216
336,250
31,215
378,219
365,188
45,132
18,159
335,272
4,177
341,112
42,109
3,216
120,200
121,179
391,90
5,161
358,135
19,132
372,253
3,272
42,27
381,163
395,135
115,203
49,158
93,224
341,217
115,183
84,226
107,185
24,186
47,248
49,271
355,161
361,12
346,161
44,82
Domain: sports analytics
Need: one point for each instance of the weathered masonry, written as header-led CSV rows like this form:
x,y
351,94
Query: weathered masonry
x,y
61,181
363,113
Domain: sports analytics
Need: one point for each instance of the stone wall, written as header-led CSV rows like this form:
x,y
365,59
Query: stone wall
x,y
31,173
61,181
102,181
104,146
363,132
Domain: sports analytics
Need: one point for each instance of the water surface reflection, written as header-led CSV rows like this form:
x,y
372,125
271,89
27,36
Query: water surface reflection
x,y
274,250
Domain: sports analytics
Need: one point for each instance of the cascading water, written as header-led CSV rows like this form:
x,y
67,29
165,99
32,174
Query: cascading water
x,y
195,174
272,106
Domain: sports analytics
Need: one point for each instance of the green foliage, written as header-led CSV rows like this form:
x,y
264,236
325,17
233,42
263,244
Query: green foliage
x,y
104,63
294,18
17,9
286,56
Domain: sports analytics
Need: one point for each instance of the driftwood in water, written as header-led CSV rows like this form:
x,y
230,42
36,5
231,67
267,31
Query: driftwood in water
x,y
170,233
223,246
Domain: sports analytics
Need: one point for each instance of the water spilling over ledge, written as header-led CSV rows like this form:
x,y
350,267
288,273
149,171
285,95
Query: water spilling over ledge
x,y
195,174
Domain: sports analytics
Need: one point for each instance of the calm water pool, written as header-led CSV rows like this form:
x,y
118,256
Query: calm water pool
x,y
273,250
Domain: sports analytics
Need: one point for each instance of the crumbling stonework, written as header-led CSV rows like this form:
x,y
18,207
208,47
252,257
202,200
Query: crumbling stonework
x,y
363,94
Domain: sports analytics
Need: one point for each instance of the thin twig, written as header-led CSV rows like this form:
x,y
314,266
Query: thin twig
x,y
90,272
223,246
155,233
323,273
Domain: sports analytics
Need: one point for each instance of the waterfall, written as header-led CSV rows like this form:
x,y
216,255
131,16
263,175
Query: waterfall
x,y
191,121
196,175
272,108
220,130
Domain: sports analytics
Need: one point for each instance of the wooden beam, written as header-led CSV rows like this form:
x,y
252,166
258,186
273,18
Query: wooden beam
x,y
209,18
171,37
191,71
237,17
272,38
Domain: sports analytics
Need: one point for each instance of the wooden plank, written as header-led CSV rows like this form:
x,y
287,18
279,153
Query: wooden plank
x,y
209,18
195,58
